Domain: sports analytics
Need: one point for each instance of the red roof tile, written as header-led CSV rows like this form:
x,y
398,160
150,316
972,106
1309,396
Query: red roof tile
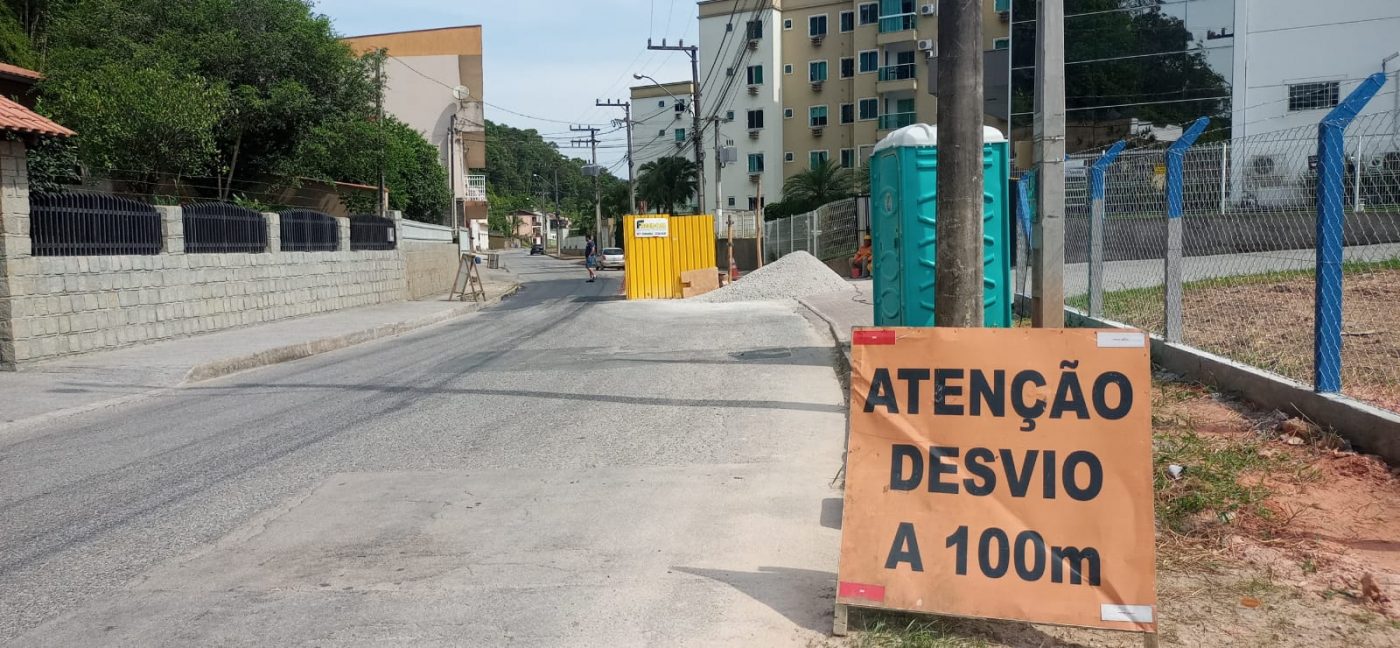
x,y
17,71
15,118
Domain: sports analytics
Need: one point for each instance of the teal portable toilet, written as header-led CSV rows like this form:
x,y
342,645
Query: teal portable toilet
x,y
903,217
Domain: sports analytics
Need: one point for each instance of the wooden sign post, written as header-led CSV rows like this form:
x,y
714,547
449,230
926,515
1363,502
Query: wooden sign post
x,y
469,280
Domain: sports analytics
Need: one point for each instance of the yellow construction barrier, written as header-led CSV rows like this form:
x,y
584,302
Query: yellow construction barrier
x,y
660,247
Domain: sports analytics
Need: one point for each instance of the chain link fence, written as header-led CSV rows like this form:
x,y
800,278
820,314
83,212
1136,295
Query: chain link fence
x,y
1248,249
829,232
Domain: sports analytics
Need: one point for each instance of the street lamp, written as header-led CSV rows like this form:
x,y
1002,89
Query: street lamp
x,y
639,77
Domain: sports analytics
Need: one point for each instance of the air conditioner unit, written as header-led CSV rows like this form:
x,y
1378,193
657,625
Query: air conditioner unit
x,y
817,131
753,43
929,10
1262,165
1004,16
755,175
753,89
817,40
753,132
926,45
817,85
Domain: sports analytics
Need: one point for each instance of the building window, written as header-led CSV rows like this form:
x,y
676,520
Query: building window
x,y
869,109
869,13
864,152
787,113
755,163
729,27
755,119
661,104
680,134
755,203
662,133
787,24
787,69
1313,96
1002,5
816,116
848,113
755,29
848,67
679,105
817,159
731,201
755,75
816,25
848,21
848,158
789,157
1001,43
816,71
869,60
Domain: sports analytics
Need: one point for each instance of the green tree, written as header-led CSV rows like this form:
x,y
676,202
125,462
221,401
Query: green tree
x,y
270,70
521,167
825,183
666,182
351,151
15,46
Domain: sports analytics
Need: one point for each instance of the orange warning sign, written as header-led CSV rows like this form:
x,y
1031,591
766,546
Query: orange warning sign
x,y
1001,473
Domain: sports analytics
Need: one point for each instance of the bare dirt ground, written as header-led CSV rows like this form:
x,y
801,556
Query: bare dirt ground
x,y
1267,321
1271,537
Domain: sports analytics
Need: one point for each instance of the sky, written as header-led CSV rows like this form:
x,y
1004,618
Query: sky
x,y
548,59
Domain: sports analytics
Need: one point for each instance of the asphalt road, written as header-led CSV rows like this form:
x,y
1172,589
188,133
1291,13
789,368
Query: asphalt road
x,y
562,469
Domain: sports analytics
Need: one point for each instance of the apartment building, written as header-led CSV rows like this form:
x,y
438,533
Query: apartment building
x,y
800,82
434,84
662,123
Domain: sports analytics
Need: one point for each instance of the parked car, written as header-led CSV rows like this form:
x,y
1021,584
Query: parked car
x,y
612,258
537,248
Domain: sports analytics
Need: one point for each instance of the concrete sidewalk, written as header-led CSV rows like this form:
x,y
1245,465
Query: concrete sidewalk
x,y
843,310
90,381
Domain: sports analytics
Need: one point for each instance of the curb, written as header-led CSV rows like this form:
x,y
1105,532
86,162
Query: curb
x,y
219,368
844,345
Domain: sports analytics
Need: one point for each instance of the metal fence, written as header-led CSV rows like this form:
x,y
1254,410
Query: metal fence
x,y
92,224
1217,246
371,233
745,224
309,231
217,228
831,231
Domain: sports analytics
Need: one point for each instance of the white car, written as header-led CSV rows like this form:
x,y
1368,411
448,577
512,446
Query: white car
x,y
612,258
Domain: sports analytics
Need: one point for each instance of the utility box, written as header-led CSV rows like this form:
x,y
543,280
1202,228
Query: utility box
x,y
903,223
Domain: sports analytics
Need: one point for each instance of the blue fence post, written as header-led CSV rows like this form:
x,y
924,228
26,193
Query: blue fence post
x,y
1025,202
1097,172
1331,164
1176,204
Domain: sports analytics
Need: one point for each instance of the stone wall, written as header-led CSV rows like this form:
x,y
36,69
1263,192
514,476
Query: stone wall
x,y
55,306
430,268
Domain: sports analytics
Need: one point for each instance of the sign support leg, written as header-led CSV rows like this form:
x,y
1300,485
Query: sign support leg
x,y
838,622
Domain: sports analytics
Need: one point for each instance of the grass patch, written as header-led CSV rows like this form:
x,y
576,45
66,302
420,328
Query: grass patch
x,y
1212,488
892,630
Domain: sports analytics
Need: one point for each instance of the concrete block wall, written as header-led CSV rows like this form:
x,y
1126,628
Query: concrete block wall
x,y
55,306
430,268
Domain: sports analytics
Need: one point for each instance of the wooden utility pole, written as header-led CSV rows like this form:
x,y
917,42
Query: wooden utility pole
x,y
595,171
1048,242
958,293
626,107
694,53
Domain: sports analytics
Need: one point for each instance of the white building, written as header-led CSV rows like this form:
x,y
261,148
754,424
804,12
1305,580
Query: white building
x,y
662,122
1294,60
745,74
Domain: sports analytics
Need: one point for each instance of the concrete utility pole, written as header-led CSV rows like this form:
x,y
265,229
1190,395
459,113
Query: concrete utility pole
x,y
694,53
958,295
1048,246
595,171
379,112
626,107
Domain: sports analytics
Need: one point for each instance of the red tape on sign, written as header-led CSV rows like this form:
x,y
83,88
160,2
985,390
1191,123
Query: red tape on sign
x,y
872,337
862,591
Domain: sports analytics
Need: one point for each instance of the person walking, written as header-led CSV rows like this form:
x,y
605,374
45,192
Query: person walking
x,y
590,260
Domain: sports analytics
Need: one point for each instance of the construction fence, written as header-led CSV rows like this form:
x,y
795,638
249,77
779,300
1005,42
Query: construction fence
x,y
1216,245
829,232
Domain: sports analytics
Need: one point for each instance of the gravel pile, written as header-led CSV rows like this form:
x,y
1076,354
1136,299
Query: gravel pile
x,y
794,276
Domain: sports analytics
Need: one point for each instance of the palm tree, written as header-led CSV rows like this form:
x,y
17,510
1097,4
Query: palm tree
x,y
666,181
825,183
